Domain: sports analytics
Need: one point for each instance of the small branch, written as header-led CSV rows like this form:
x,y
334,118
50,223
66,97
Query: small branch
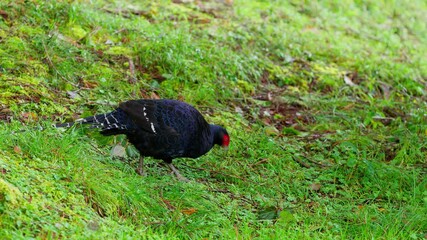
x,y
301,163
132,78
318,163
259,162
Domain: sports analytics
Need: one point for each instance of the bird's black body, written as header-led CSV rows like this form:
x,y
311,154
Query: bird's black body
x,y
163,129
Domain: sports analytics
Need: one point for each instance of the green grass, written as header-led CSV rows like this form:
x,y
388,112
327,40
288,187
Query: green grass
x,y
324,102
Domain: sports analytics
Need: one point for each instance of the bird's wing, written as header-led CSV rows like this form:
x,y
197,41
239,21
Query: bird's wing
x,y
151,117
146,116
142,113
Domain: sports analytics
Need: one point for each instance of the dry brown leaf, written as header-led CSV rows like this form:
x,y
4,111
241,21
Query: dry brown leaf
x,y
29,115
349,106
182,1
203,20
17,149
168,204
315,186
228,2
4,14
118,151
155,95
189,211
348,81
89,84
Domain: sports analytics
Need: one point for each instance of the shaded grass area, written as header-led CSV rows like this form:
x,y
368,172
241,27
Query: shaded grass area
x,y
325,103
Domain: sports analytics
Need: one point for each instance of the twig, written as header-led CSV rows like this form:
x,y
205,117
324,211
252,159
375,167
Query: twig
x,y
96,148
259,162
132,78
301,163
317,163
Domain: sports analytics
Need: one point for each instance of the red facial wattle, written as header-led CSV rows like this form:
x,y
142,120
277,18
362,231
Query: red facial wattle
x,y
225,140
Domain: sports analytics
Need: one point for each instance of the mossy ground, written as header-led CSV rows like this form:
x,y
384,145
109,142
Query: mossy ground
x,y
324,101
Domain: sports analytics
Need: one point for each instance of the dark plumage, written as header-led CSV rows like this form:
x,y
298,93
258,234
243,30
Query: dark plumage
x,y
163,129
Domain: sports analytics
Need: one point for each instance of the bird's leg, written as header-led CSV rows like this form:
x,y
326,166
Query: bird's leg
x,y
140,168
177,174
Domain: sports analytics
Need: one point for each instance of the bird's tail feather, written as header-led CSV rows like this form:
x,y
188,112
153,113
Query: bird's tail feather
x,y
109,123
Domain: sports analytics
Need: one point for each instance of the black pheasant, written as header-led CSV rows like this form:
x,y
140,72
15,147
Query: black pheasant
x,y
163,129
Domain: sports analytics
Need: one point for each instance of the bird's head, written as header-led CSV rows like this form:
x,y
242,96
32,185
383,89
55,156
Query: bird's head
x,y
220,135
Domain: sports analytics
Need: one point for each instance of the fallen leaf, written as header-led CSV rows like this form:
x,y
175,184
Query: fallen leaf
x,y
17,149
87,84
4,14
203,20
228,2
168,204
118,151
266,113
349,106
189,211
154,96
315,186
125,40
348,81
182,1
29,115
386,90
271,131
93,225
72,94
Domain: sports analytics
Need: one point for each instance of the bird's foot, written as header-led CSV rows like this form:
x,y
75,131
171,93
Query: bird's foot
x,y
140,168
181,178
140,171
177,174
